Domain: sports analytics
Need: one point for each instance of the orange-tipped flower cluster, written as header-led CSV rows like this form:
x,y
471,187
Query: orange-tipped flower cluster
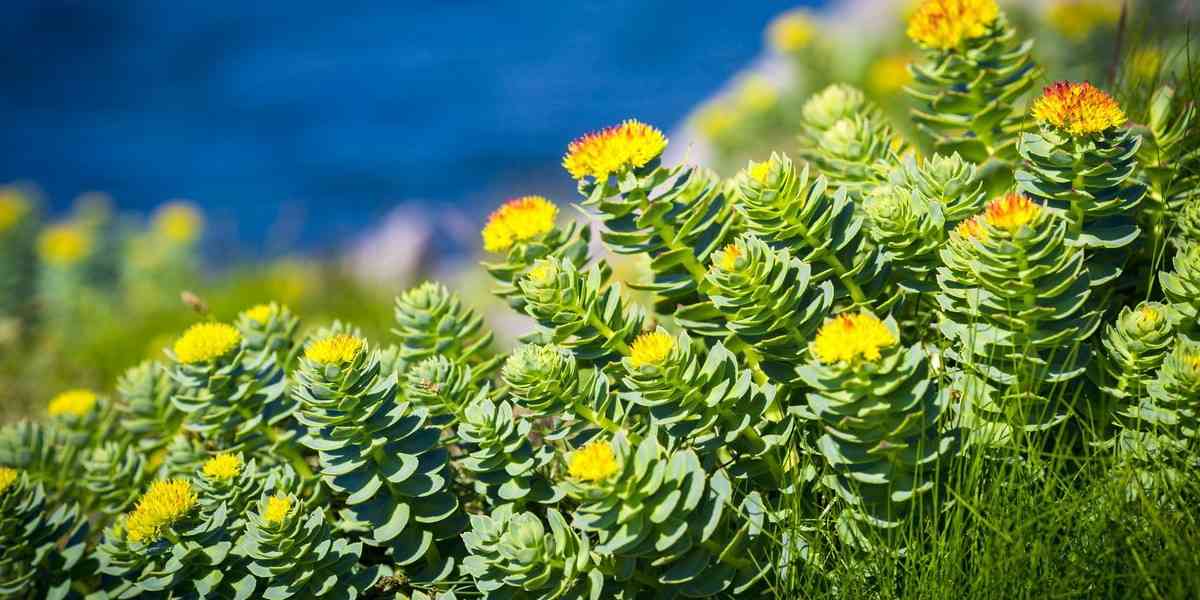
x,y
1011,212
946,24
602,153
518,220
1077,108
972,229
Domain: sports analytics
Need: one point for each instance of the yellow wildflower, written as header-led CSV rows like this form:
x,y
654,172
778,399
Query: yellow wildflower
x,y
1077,108
755,94
727,259
277,509
971,229
164,504
651,348
260,313
13,206
846,338
223,467
946,24
1077,19
206,341
792,31
759,171
889,74
334,350
542,272
593,462
8,476
518,220
179,222
64,244
714,119
602,153
77,403
1011,212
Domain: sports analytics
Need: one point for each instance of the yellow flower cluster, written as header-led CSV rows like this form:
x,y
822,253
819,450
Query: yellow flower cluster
x,y
259,313
609,151
1011,212
334,350
179,222
792,31
651,348
726,260
1077,108
971,229
946,24
76,403
1077,19
759,171
277,509
847,337
889,74
8,476
518,220
223,467
593,462
203,342
64,244
164,504
13,206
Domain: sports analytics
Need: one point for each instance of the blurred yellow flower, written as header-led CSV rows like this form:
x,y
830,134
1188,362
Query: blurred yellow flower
x,y
1145,63
847,337
889,74
8,476
76,403
946,24
971,229
602,153
334,350
792,31
206,341
179,221
756,94
259,313
518,220
13,206
1077,19
64,244
1077,108
714,119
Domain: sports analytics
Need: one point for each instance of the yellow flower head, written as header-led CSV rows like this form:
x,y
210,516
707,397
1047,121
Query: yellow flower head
x,y
1149,315
714,119
792,31
164,504
179,222
1077,19
651,348
1011,212
889,74
542,272
260,313
13,206
8,476
203,342
756,94
277,509
223,467
946,24
726,260
849,337
971,229
76,403
602,153
593,462
518,220
1077,108
334,350
759,171
64,244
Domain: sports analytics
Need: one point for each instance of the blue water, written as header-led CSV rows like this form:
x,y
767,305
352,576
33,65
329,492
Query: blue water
x,y
302,122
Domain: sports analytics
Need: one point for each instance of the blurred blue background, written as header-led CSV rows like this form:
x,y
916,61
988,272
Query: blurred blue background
x,y
299,123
